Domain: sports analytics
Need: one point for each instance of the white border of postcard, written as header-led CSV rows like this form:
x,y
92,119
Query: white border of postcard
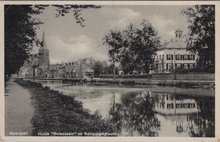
x,y
112,139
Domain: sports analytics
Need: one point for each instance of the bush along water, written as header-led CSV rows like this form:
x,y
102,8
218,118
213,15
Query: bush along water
x,y
58,114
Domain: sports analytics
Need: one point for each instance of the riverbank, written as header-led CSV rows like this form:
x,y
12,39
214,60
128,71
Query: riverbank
x,y
57,114
203,84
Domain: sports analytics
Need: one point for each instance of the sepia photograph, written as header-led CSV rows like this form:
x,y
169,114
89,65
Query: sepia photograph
x,y
94,70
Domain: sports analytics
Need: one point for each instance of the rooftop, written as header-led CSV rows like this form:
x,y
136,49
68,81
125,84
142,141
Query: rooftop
x,y
178,43
174,45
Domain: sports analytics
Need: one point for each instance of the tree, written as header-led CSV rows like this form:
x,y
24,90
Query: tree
x,y
20,35
76,10
114,42
134,47
127,55
20,30
143,45
201,35
98,68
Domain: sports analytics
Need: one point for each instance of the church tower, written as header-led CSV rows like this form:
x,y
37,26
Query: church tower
x,y
43,59
43,54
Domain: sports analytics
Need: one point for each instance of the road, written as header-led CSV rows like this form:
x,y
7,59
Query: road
x,y
18,110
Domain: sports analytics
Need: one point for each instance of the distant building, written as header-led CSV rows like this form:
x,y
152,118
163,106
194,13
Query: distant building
x,y
82,68
56,71
173,55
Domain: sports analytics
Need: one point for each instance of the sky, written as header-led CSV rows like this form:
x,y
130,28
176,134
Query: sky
x,y
68,41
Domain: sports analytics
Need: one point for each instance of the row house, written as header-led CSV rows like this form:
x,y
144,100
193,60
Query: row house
x,y
56,71
82,68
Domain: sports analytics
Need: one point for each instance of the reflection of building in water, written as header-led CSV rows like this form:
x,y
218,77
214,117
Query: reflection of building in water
x,y
175,109
169,104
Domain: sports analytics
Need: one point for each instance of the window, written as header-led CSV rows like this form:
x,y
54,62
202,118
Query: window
x,y
169,106
178,105
178,66
185,105
191,57
178,57
185,66
185,57
169,57
191,66
191,105
169,67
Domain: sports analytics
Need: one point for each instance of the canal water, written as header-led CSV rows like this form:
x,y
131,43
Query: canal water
x,y
147,111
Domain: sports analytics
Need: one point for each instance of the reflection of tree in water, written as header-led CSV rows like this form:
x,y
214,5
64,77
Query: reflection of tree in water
x,y
134,114
202,124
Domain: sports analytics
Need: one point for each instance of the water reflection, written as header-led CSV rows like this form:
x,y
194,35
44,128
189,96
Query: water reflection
x,y
148,111
203,122
134,114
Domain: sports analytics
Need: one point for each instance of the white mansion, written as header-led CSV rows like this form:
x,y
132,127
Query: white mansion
x,y
173,54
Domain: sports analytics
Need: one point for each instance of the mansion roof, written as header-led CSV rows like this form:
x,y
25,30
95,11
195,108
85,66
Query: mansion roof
x,y
178,43
174,45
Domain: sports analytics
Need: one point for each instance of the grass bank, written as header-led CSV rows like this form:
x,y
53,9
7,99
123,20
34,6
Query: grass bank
x,y
57,114
163,83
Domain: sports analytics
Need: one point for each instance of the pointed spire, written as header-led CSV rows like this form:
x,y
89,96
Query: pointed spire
x,y
44,41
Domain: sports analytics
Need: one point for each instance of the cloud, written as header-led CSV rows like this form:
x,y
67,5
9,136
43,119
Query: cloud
x,y
164,26
73,48
122,17
68,41
161,22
